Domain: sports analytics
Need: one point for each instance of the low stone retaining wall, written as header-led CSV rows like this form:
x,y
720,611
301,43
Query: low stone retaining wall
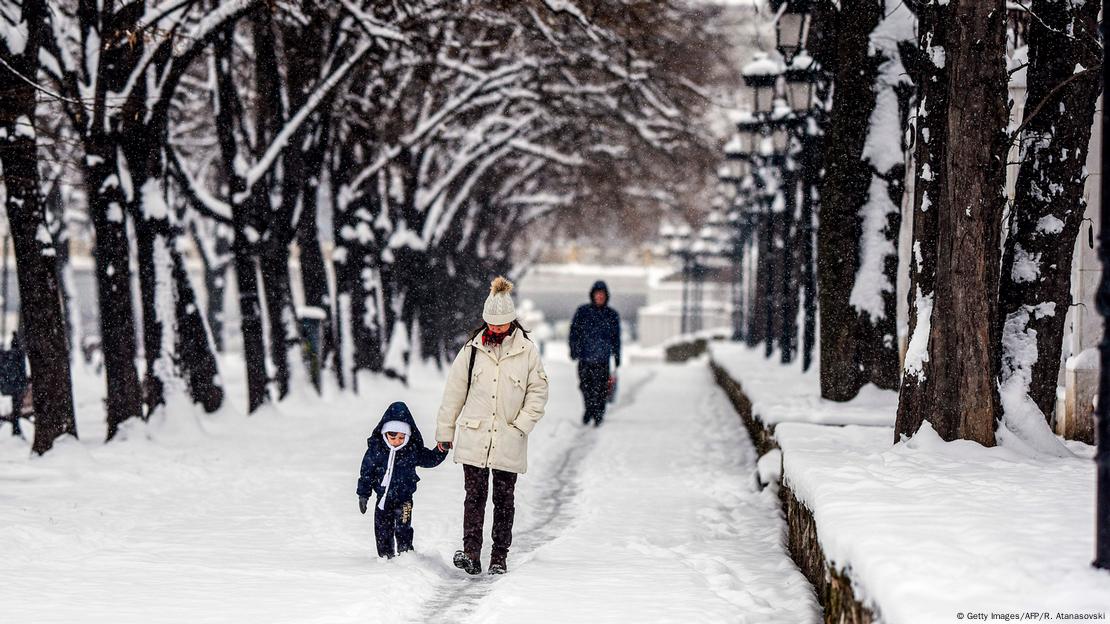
x,y
833,588
762,436
683,351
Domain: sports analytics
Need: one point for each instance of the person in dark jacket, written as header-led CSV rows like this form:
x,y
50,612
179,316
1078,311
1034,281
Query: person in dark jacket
x,y
595,336
394,451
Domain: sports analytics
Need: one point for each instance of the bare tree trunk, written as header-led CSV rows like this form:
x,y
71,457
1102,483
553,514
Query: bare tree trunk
x,y
273,251
215,253
175,340
314,274
40,294
112,255
250,320
244,217
843,193
274,264
874,295
757,314
962,396
1048,207
791,230
930,73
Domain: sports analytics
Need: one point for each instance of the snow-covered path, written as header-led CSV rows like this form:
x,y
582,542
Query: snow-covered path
x,y
652,518
668,523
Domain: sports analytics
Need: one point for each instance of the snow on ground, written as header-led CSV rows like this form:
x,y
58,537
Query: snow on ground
x,y
930,528
667,516
230,518
927,529
786,394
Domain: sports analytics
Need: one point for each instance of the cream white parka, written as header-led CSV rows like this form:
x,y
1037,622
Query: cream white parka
x,y
507,398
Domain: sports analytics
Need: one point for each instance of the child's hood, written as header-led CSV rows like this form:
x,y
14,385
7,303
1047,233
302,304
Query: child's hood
x,y
398,411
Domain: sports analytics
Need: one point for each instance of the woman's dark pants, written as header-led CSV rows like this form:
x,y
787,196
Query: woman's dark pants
x,y
593,381
393,523
476,481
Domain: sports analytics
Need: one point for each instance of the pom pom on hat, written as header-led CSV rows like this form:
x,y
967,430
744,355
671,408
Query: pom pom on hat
x,y
499,308
500,285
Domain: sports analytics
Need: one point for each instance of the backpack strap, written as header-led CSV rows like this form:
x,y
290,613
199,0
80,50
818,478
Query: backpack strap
x,y
470,372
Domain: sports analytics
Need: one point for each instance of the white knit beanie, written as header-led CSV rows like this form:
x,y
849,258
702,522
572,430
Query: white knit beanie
x,y
499,308
397,426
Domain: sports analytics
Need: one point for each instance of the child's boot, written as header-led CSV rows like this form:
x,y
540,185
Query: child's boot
x,y
404,528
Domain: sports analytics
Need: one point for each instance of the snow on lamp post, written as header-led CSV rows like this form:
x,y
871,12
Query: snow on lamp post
x,y
801,78
761,75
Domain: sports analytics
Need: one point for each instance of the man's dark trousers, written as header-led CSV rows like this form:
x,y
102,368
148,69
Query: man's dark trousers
x,y
476,481
393,522
593,381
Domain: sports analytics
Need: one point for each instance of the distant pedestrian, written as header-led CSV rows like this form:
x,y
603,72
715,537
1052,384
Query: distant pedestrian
x,y
595,337
496,393
394,451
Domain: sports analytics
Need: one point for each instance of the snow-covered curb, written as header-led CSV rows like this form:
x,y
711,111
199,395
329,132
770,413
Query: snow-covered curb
x,y
928,529
923,530
785,394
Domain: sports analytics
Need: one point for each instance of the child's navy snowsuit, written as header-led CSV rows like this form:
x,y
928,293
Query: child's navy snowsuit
x,y
394,521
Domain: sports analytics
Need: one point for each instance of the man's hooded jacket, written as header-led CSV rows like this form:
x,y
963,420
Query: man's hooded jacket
x,y
595,332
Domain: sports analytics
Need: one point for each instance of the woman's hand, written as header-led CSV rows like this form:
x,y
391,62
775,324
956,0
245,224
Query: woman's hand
x,y
444,446
362,503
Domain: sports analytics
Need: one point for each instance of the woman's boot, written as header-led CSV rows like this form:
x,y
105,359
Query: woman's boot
x,y
468,564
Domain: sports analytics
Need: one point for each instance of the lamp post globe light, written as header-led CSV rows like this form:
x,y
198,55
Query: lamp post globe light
x,y
801,77
792,21
785,164
761,75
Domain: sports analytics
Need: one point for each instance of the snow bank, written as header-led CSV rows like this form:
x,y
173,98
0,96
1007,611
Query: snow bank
x,y
786,394
930,528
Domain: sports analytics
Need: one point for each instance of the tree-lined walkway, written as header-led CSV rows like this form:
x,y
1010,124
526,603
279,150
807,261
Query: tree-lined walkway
x,y
653,517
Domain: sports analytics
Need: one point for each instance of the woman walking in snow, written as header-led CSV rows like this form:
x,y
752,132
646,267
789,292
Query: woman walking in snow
x,y
496,393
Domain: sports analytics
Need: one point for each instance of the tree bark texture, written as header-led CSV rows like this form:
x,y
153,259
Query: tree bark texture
x,y
245,221
1048,208
757,324
112,255
43,318
930,148
961,395
214,245
791,230
104,179
843,192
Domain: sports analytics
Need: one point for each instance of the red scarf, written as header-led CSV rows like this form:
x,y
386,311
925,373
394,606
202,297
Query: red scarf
x,y
489,337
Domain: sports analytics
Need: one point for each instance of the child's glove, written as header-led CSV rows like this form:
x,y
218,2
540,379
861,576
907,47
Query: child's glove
x,y
444,446
362,503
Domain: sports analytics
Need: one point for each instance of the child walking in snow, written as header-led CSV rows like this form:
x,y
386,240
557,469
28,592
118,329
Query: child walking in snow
x,y
394,450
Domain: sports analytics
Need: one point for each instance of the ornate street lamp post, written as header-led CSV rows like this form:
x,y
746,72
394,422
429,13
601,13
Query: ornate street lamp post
x,y
792,28
677,241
